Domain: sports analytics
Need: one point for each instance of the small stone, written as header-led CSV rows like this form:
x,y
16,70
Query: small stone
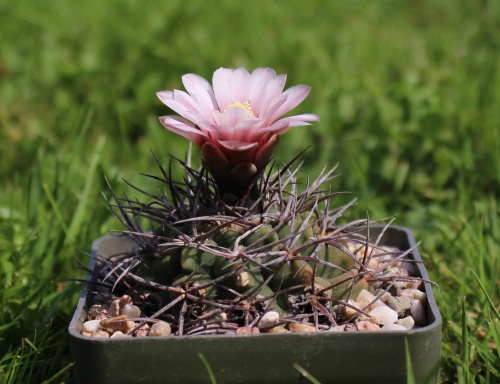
x,y
243,279
366,300
100,334
247,330
131,311
143,331
268,319
114,308
352,247
221,316
367,326
393,327
91,326
391,271
124,300
349,310
400,285
161,328
118,334
414,284
406,322
349,327
337,328
400,304
129,325
407,292
365,318
403,272
417,311
300,327
96,310
419,295
373,264
278,329
382,295
384,315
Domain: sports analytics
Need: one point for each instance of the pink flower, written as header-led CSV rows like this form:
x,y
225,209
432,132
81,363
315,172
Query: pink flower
x,y
236,123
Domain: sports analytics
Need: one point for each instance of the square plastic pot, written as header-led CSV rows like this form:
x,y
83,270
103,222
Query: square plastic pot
x,y
330,357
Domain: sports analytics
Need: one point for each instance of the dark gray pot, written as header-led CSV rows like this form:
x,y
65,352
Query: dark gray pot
x,y
343,357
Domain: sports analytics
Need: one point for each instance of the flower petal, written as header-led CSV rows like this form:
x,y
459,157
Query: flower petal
x,y
231,86
238,151
289,100
246,129
266,87
243,174
180,103
233,116
234,145
201,91
283,125
194,111
216,161
264,153
183,127
218,132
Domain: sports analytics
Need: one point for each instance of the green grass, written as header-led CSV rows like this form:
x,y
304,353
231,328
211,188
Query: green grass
x,y
409,99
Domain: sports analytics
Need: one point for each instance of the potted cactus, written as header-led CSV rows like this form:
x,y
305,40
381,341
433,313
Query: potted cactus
x,y
242,269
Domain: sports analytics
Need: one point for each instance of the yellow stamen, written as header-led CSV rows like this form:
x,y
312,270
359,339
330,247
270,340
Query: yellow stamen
x,y
245,106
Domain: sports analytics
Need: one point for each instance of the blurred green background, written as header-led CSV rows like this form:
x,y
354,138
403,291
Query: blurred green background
x,y
409,98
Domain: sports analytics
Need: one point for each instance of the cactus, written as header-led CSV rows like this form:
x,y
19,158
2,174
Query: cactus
x,y
200,257
230,243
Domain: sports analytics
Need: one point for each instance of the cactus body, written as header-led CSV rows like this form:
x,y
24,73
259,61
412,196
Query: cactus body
x,y
281,251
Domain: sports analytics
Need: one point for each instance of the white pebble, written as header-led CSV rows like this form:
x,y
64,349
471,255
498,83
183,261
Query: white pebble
x,y
349,311
91,326
268,319
406,322
337,328
384,315
118,334
373,264
417,311
131,311
221,316
400,285
394,327
407,292
419,295
161,328
100,334
364,299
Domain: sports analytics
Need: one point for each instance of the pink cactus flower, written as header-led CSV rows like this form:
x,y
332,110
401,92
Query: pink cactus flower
x,y
236,122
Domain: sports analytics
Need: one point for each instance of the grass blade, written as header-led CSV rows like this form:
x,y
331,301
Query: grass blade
x,y
306,374
410,378
208,368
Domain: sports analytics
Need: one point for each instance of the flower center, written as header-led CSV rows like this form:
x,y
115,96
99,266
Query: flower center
x,y
245,106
